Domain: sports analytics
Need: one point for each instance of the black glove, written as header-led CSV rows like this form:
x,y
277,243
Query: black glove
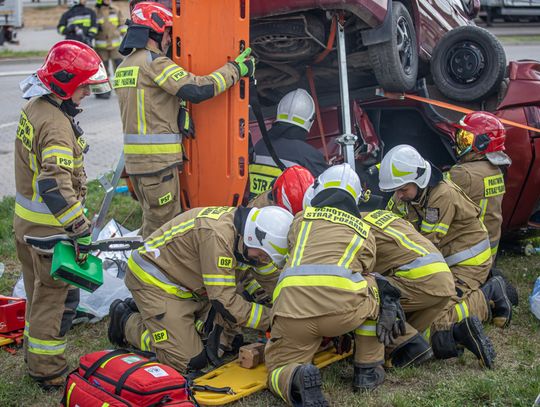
x,y
343,343
81,245
391,322
185,124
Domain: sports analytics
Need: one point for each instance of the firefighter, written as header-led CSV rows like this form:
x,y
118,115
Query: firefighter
x,y
479,146
78,23
451,221
152,91
413,264
51,190
325,290
294,118
186,272
111,28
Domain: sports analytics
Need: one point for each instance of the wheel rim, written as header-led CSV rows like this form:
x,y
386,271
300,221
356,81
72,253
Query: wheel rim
x,y
465,62
404,44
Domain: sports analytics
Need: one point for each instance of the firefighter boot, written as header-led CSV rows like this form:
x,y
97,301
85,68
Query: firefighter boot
x,y
367,378
497,300
52,384
414,352
130,302
470,334
306,387
119,312
511,291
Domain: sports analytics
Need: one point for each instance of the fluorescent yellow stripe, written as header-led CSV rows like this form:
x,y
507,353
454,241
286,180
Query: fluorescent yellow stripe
x,y
424,271
301,244
160,77
54,150
147,149
478,259
341,283
148,279
77,211
164,79
168,235
141,116
265,170
350,251
483,208
275,381
33,167
406,242
368,328
35,217
255,316
68,397
494,250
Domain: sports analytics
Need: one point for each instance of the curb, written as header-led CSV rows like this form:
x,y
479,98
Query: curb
x,y
21,60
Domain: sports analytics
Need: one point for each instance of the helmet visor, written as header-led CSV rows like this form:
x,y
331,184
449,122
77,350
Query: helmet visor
x,y
99,82
464,141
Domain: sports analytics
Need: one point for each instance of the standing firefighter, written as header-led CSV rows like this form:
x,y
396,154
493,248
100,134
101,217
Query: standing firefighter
x,y
51,189
78,23
451,221
186,271
295,116
325,291
152,91
111,28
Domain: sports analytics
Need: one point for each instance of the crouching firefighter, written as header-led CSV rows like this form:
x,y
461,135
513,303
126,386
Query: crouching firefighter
x,y
186,268
325,291
50,182
152,91
450,220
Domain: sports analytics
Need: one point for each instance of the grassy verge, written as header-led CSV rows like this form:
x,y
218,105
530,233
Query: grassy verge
x,y
7,53
519,39
515,381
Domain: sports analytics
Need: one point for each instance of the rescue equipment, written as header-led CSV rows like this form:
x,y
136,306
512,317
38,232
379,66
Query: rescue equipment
x,y
122,378
12,312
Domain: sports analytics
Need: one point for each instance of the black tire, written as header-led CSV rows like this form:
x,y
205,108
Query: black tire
x,y
468,64
395,62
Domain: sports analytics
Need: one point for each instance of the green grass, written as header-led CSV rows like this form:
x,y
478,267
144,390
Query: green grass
x,y
7,53
514,382
519,39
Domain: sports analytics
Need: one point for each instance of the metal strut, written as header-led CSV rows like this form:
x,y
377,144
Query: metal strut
x,y
347,139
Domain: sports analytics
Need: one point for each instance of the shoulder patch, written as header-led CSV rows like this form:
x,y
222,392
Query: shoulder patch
x,y
432,215
494,185
225,262
25,131
214,212
380,218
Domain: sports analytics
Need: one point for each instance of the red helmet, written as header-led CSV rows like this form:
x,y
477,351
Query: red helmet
x,y
481,132
152,15
70,64
289,189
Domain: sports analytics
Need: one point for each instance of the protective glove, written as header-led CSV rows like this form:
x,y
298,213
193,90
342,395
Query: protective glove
x,y
185,124
391,322
79,31
343,343
82,248
245,63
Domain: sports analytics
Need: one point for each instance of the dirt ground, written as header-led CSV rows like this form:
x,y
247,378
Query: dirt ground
x,y
48,16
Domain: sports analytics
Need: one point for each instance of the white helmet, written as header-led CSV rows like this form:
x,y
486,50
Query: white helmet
x,y
296,107
340,176
402,165
267,229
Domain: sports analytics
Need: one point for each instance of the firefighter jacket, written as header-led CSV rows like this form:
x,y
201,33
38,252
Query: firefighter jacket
x,y
329,250
82,17
193,258
406,254
49,174
111,28
150,89
289,142
483,182
450,220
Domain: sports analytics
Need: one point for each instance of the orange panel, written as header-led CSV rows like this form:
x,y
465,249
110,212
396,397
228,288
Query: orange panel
x,y
206,34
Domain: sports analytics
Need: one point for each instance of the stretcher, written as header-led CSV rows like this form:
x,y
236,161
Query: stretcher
x,y
244,382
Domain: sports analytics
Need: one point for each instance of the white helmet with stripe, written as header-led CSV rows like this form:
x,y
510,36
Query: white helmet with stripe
x,y
297,107
403,165
340,176
267,229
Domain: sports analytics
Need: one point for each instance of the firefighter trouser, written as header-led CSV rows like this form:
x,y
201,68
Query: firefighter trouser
x,y
469,299
168,326
159,197
50,309
295,342
112,55
420,308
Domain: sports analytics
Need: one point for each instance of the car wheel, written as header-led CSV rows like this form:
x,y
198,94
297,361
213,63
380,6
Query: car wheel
x,y
468,64
395,62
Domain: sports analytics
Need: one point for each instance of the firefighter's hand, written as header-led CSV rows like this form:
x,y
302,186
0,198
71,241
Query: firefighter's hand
x,y
343,343
82,248
185,124
391,323
245,63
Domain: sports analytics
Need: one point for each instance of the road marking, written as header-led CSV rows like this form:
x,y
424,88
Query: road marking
x,y
16,73
8,124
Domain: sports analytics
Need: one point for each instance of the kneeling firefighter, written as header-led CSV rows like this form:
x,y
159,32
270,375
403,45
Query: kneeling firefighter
x,y
152,91
186,271
51,190
325,290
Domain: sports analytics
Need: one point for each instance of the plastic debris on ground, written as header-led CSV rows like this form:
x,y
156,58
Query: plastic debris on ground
x,y
94,306
534,299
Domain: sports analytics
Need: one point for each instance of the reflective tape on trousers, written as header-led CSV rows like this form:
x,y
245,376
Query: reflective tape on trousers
x,y
321,270
468,253
152,138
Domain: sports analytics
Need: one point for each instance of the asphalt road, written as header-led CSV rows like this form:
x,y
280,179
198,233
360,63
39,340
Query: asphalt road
x,y
101,118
